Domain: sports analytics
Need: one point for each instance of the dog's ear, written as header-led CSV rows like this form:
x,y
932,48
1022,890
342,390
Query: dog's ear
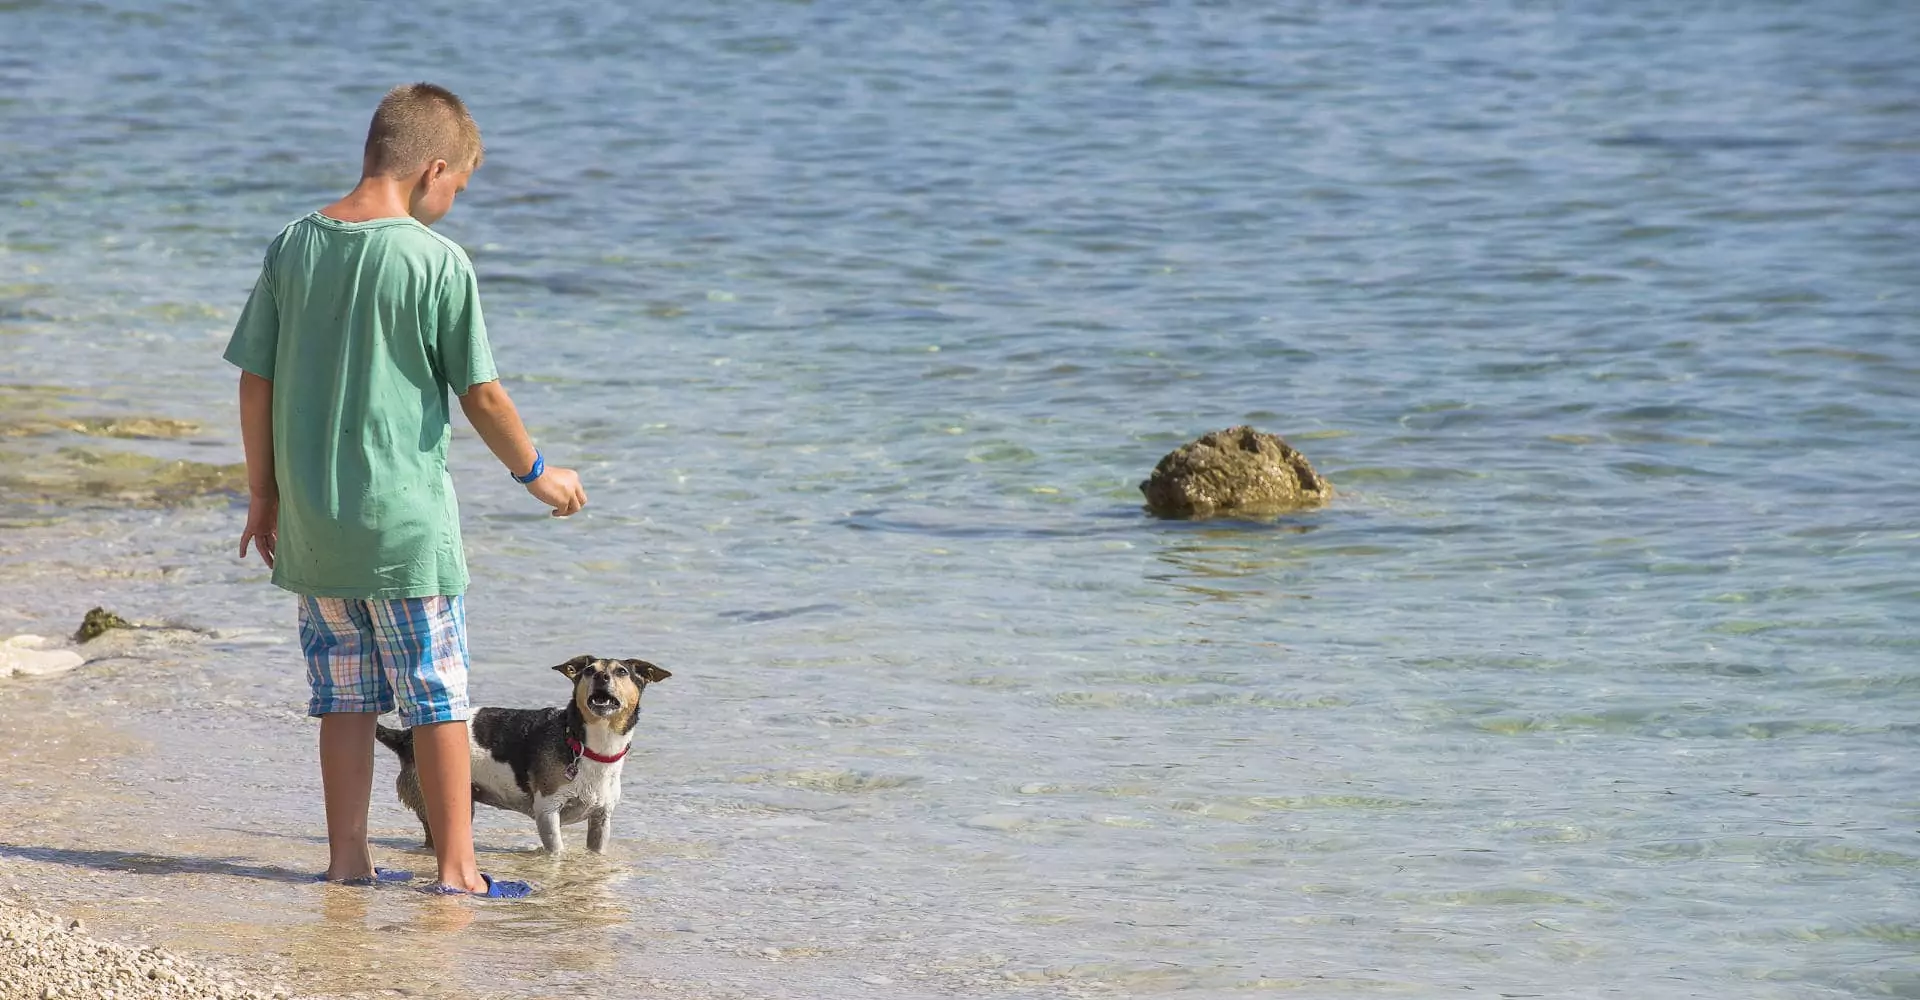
x,y
573,667
653,674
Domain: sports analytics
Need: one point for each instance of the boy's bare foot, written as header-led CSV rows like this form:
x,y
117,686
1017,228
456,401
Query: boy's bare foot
x,y
465,883
375,876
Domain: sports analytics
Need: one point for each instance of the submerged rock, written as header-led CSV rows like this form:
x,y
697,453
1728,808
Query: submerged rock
x,y
27,655
71,477
1238,470
105,635
130,427
113,427
97,622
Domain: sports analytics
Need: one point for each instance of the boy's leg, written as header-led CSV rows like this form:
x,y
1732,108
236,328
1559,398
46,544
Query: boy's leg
x,y
346,773
441,754
349,693
423,643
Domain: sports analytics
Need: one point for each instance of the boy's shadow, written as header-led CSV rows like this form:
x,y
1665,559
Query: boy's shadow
x,y
142,863
338,908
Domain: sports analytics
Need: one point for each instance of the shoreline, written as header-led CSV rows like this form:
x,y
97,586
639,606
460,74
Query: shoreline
x,y
48,957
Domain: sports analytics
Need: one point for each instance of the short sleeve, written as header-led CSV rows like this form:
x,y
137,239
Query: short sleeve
x,y
257,336
466,360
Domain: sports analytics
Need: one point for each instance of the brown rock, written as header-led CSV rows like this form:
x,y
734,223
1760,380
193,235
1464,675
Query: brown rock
x,y
1236,471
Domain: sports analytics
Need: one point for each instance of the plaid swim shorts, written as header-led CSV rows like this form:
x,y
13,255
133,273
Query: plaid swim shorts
x,y
364,655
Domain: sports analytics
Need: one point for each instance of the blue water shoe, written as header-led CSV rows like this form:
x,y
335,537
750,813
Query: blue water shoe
x,y
497,888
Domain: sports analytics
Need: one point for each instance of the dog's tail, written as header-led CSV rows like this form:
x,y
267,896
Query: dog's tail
x,y
400,741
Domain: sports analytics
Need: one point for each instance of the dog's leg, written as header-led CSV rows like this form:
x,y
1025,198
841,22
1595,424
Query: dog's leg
x,y
407,785
549,824
599,825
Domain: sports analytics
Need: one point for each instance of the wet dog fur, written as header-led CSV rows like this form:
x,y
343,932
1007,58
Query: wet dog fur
x,y
522,762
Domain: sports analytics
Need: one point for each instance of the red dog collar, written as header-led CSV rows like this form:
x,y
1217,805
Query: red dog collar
x,y
587,752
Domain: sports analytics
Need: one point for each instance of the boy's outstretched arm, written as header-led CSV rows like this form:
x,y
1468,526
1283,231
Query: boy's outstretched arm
x,y
491,411
263,491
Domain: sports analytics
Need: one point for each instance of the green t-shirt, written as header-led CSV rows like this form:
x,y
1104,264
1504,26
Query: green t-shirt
x,y
363,327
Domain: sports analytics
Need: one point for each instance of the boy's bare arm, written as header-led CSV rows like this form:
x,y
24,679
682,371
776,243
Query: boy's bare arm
x,y
263,491
492,413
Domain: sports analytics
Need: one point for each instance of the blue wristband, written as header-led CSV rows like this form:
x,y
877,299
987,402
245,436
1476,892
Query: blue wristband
x,y
539,466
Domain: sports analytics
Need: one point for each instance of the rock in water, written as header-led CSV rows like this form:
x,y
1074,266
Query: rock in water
x,y
98,621
1235,471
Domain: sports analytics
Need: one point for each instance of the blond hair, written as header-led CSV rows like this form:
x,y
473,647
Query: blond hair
x,y
416,124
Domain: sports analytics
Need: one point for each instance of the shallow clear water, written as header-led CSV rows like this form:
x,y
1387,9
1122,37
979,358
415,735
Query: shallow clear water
x,y
862,323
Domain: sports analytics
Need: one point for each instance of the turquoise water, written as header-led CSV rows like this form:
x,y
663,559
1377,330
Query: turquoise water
x,y
861,323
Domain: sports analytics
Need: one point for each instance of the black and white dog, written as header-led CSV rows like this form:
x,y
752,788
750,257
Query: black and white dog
x,y
557,765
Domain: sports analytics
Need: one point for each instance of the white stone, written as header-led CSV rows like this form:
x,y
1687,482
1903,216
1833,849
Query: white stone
x,y
1003,822
25,654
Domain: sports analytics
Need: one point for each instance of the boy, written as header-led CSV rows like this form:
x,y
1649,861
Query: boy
x,y
360,322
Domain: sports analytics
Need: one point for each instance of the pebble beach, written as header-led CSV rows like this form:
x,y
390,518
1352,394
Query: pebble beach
x,y
48,957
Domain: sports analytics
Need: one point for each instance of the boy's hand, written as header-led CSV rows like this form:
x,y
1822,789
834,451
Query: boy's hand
x,y
560,489
263,527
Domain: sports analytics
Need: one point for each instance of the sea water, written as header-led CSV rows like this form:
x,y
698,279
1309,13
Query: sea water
x,y
861,322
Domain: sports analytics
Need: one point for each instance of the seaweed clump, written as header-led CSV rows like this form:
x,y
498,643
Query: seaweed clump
x,y
97,622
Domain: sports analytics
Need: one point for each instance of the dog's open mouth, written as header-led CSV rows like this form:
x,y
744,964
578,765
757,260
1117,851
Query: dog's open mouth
x,y
603,703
